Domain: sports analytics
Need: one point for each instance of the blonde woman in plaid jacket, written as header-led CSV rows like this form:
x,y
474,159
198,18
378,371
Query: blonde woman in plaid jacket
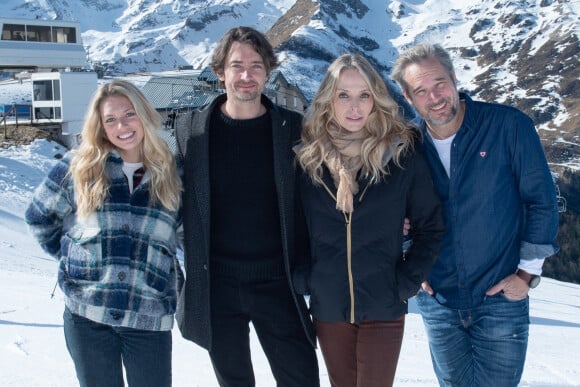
x,y
109,212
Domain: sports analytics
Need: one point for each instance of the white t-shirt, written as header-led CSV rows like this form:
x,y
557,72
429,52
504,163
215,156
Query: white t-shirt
x,y
129,170
443,148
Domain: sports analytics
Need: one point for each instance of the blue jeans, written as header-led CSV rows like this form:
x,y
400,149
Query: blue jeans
x,y
483,346
99,352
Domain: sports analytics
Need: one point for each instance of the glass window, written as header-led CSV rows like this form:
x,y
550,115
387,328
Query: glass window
x,y
47,113
64,35
43,113
47,90
13,32
56,89
38,33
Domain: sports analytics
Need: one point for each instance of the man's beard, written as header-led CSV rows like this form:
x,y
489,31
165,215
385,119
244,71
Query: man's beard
x,y
246,96
440,122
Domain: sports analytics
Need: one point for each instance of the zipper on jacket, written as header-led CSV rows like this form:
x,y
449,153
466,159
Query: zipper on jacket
x,y
364,192
348,224
348,220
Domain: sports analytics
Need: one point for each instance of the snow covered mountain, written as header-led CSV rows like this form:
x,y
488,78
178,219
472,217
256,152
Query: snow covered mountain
x,y
521,52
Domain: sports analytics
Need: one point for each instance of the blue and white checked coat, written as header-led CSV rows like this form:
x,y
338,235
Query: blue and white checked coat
x,y
119,266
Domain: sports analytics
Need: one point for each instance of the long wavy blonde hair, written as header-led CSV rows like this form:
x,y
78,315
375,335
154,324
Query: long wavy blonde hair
x,y
87,167
384,127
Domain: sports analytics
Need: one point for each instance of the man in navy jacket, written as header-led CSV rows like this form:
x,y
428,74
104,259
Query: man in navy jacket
x,y
501,223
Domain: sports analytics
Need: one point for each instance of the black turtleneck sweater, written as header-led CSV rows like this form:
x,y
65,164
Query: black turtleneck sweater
x,y
245,222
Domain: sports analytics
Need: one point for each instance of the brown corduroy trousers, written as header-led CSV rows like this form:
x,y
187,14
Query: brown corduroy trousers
x,y
361,355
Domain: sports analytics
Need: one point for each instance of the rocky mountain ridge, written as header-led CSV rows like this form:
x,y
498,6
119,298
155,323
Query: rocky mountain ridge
x,y
520,52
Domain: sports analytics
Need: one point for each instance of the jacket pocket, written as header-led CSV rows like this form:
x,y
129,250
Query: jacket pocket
x,y
82,254
160,268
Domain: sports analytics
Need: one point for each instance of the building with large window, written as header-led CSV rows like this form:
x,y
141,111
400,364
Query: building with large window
x,y
61,99
40,45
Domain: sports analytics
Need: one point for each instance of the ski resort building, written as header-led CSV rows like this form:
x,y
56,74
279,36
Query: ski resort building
x,y
40,45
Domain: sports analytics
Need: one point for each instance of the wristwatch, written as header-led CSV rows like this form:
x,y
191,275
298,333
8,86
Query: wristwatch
x,y
531,279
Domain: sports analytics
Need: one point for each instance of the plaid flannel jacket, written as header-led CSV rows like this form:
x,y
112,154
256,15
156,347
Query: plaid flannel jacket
x,y
119,266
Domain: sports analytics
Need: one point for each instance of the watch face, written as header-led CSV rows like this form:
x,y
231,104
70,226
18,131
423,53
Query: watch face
x,y
534,281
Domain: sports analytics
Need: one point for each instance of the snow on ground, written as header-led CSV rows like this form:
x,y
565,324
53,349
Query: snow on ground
x,y
33,352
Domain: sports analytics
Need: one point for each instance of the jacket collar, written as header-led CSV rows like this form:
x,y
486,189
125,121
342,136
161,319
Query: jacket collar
x,y
389,152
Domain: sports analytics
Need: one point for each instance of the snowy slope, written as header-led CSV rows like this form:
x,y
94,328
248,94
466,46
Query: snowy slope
x,y
33,352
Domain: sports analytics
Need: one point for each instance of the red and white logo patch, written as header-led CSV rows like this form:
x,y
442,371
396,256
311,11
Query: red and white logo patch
x,y
482,154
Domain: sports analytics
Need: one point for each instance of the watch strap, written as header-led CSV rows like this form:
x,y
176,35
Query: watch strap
x,y
531,279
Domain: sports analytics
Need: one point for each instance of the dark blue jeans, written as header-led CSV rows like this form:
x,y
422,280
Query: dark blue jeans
x,y
99,352
483,346
269,306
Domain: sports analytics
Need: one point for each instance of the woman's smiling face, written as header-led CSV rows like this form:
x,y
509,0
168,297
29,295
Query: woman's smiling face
x,y
123,127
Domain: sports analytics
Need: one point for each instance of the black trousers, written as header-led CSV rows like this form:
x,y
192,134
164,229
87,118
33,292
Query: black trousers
x,y
268,305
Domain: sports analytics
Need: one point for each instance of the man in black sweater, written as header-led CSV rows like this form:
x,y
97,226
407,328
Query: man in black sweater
x,y
244,231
